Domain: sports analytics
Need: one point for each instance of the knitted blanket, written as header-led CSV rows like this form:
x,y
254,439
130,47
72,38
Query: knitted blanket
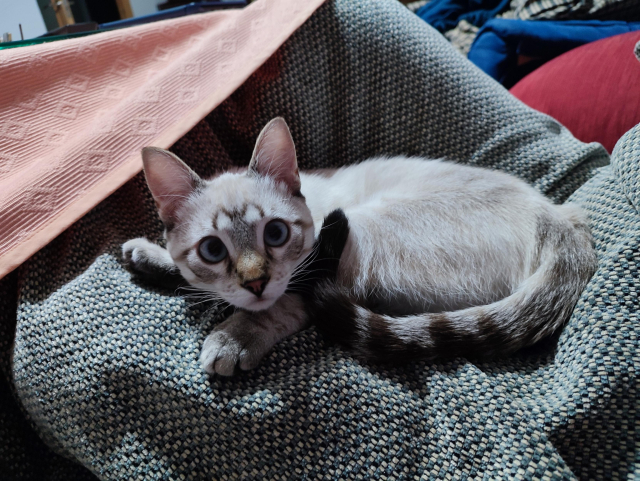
x,y
107,368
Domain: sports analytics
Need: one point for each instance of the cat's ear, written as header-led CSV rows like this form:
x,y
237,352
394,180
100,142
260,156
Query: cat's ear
x,y
275,155
170,180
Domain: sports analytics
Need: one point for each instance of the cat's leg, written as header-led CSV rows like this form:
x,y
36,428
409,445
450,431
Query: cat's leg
x,y
151,262
243,339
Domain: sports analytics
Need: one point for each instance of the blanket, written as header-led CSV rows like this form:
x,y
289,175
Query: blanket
x,y
107,368
75,113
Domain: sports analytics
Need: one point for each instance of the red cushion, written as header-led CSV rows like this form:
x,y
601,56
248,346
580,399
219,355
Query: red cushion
x,y
593,90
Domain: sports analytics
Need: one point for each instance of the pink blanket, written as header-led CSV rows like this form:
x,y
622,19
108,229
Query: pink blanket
x,y
75,113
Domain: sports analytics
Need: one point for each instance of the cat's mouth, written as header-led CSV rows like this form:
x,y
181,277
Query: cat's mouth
x,y
268,298
260,303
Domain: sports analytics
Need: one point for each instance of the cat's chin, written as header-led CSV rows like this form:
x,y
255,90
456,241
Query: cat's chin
x,y
260,304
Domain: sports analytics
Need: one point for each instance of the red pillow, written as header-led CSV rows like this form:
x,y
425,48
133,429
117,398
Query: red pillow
x,y
593,90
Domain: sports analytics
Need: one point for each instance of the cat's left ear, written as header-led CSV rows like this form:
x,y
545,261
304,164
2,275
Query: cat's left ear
x,y
275,155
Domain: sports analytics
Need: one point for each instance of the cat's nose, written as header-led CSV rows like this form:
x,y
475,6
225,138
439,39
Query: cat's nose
x,y
256,286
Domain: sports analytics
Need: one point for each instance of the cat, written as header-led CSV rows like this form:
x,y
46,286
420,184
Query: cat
x,y
433,258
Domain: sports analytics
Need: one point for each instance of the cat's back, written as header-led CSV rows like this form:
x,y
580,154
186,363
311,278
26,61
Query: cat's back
x,y
413,177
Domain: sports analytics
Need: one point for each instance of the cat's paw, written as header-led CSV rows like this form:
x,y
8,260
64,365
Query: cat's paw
x,y
236,343
134,253
152,264
145,257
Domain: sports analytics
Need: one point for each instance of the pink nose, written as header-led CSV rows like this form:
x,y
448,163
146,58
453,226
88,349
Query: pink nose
x,y
257,286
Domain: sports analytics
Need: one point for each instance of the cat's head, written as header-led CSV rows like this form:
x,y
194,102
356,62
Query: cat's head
x,y
240,235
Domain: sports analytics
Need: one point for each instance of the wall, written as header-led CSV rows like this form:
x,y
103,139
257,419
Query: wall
x,y
26,12
143,7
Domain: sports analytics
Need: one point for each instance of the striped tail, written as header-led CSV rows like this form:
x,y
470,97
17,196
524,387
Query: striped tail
x,y
536,309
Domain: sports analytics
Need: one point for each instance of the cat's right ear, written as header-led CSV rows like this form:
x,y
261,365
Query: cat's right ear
x,y
170,180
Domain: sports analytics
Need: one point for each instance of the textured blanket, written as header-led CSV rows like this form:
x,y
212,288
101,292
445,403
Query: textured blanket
x,y
76,113
107,369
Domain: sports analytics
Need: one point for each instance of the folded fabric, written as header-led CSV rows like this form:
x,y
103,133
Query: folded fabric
x,y
443,15
75,113
507,49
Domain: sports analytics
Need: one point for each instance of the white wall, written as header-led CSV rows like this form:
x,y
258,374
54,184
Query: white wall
x,y
26,12
143,7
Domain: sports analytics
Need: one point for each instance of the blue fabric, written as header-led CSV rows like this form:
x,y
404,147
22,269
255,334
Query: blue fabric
x,y
444,15
190,9
500,42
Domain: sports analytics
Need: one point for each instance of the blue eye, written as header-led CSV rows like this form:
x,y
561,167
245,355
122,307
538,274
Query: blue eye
x,y
212,250
276,233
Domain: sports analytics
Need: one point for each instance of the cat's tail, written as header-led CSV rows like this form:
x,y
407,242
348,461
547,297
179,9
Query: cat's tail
x,y
537,308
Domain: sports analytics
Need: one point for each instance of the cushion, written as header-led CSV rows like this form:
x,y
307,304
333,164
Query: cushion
x,y
108,370
592,90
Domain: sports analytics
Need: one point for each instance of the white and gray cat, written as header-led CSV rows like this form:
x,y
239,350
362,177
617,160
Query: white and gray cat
x,y
441,259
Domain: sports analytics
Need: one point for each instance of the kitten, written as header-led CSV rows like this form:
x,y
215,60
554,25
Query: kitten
x,y
439,259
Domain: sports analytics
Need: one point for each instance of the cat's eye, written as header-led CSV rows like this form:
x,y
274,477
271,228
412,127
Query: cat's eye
x,y
276,233
212,250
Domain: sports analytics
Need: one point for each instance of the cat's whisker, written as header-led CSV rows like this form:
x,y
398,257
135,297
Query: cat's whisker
x,y
174,195
189,289
195,295
200,302
326,226
308,260
304,274
303,283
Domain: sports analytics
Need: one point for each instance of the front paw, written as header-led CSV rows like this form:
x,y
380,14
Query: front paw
x,y
236,343
139,255
152,264
146,257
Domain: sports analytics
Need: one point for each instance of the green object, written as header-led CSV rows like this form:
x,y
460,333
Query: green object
x,y
39,40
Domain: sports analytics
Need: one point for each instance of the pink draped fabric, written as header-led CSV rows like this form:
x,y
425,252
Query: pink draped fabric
x,y
75,113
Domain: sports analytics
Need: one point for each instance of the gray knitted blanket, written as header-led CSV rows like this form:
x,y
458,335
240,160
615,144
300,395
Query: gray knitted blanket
x,y
107,369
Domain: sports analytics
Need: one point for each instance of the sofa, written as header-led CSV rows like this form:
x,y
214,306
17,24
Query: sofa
x,y
105,367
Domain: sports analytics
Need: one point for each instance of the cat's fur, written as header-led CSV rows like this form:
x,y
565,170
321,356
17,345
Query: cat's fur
x,y
440,258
